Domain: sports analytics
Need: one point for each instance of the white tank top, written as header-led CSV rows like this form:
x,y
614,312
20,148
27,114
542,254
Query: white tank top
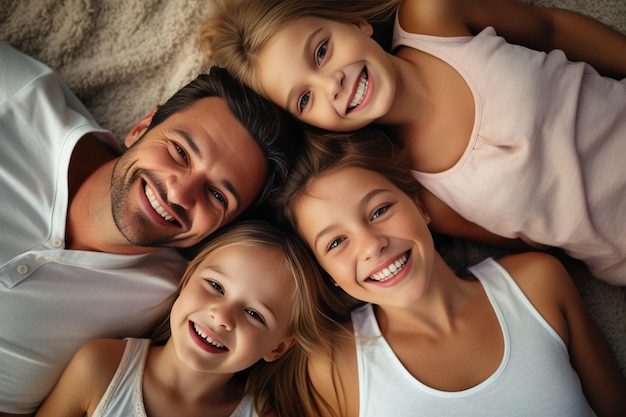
x,y
124,396
534,378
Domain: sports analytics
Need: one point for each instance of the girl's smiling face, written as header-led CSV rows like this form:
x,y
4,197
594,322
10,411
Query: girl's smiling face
x,y
327,73
368,235
234,309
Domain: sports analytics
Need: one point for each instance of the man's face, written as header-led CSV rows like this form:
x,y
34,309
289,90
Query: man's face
x,y
186,177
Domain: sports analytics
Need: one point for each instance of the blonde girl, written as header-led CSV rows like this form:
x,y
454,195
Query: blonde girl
x,y
513,338
513,146
243,302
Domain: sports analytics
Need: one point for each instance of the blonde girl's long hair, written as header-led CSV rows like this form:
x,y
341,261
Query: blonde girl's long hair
x,y
238,29
316,314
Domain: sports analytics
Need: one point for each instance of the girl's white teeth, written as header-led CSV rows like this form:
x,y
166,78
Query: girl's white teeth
x,y
392,269
360,91
155,204
207,338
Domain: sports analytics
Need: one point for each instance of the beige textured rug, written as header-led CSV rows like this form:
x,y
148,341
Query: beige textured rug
x,y
123,57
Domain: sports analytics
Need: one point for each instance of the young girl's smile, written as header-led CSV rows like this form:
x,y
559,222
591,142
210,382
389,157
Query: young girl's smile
x,y
235,305
372,238
329,74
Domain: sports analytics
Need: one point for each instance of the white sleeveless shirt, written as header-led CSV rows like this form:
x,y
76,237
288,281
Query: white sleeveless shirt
x,y
124,395
534,378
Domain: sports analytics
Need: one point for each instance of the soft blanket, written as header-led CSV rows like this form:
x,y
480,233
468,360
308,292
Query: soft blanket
x,y
123,57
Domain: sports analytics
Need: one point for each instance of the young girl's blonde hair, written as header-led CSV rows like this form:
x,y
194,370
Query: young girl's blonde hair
x,y
316,313
238,29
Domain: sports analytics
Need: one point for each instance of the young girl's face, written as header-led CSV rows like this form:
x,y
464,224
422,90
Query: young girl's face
x,y
234,310
329,74
368,235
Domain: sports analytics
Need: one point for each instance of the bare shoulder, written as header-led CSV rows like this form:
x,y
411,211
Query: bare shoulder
x,y
334,376
432,17
101,354
85,379
547,285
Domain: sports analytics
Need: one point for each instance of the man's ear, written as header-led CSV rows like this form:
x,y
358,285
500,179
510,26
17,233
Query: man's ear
x,y
139,129
364,25
280,349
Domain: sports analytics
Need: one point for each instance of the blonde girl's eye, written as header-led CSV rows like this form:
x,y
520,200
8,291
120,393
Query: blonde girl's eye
x,y
217,286
380,211
304,101
320,52
335,243
255,315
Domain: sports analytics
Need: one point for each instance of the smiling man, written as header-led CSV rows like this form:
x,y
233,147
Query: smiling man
x,y
90,232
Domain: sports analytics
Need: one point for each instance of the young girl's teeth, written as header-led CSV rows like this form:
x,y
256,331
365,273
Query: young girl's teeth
x,y
155,204
360,91
391,270
207,338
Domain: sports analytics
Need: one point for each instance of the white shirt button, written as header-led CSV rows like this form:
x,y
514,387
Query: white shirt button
x,y
57,243
22,269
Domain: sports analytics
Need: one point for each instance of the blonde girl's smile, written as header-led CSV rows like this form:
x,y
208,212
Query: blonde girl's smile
x,y
394,271
372,239
327,73
361,92
208,343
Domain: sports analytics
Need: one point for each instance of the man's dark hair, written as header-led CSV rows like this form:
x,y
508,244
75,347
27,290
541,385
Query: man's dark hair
x,y
278,133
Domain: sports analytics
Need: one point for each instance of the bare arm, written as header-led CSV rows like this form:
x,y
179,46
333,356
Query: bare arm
x,y
85,380
581,37
548,286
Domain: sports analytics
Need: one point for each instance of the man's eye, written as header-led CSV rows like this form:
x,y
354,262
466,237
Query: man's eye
x,y
320,52
217,286
304,100
181,151
219,197
256,316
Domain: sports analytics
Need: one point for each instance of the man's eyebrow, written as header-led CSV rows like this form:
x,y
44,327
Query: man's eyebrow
x,y
225,183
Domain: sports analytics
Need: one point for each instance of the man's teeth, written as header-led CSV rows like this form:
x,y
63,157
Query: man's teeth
x,y
155,204
391,270
207,338
360,91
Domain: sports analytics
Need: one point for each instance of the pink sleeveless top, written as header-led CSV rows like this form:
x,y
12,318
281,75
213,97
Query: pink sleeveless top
x,y
546,158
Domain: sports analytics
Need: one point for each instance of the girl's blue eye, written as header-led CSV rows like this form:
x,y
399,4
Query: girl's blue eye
x,y
380,211
255,316
217,286
334,244
320,52
304,100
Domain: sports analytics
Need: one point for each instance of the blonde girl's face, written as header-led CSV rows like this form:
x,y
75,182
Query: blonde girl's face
x,y
329,74
368,235
234,310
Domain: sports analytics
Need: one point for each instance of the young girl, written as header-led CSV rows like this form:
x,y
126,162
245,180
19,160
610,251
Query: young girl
x,y
249,295
509,142
513,339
